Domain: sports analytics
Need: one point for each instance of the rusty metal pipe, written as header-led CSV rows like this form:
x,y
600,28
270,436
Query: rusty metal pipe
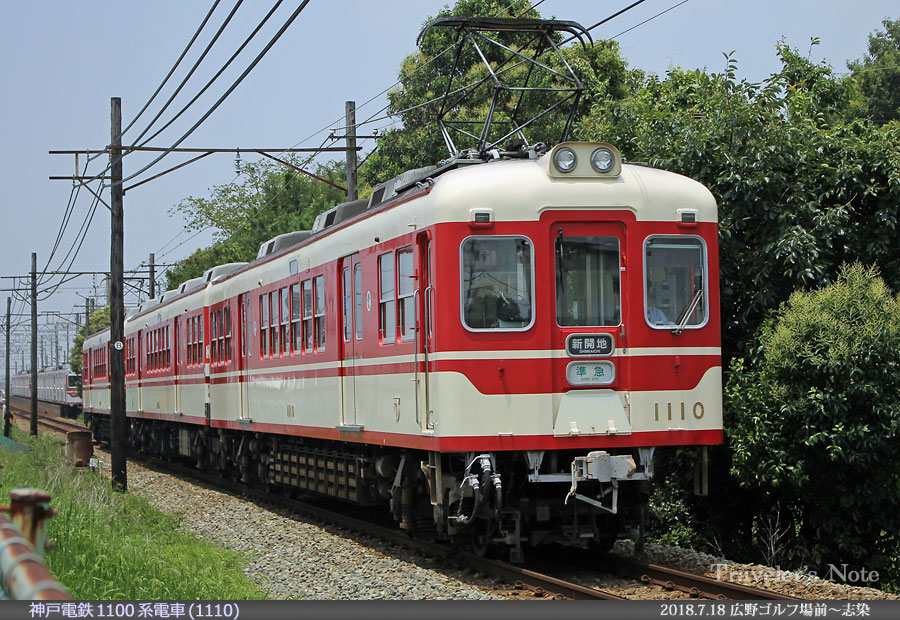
x,y
24,574
29,510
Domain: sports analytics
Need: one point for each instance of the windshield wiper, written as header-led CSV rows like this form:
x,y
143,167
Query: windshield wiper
x,y
687,313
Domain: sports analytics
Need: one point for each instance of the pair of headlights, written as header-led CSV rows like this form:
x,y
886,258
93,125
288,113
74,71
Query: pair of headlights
x,y
602,159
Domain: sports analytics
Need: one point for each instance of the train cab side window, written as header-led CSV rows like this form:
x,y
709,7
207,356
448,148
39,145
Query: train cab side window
x,y
319,319
387,312
406,289
497,283
263,324
307,316
587,281
675,287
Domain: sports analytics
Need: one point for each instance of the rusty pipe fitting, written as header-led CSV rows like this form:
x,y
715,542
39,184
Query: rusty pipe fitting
x,y
24,574
29,510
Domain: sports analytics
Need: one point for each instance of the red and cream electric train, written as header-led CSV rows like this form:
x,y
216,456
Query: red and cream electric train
x,y
57,393
491,349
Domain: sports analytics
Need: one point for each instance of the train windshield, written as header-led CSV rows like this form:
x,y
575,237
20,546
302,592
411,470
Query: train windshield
x,y
587,281
674,280
73,381
497,283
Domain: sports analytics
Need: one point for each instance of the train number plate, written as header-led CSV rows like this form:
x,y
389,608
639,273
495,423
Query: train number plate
x,y
591,373
593,345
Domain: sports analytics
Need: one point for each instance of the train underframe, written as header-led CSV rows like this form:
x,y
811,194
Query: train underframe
x,y
489,502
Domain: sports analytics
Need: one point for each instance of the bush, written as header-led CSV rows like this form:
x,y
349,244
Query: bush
x,y
815,421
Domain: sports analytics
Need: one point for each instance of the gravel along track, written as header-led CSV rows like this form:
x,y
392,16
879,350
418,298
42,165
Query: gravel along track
x,y
294,558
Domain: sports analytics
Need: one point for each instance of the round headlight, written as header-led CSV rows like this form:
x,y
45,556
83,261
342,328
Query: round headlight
x,y
602,159
565,159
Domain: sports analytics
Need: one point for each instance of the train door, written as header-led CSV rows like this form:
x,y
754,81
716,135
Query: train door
x,y
590,303
425,330
243,360
351,335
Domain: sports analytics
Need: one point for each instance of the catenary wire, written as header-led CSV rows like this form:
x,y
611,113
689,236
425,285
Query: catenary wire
x,y
216,76
174,67
215,106
190,73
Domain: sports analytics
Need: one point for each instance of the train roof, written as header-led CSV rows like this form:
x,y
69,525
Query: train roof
x,y
519,188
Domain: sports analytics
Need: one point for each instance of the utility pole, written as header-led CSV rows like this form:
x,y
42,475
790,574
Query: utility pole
x,y
34,330
87,317
350,125
6,412
56,342
117,303
152,276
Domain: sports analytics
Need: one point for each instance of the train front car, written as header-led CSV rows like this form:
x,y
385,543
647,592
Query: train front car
x,y
575,329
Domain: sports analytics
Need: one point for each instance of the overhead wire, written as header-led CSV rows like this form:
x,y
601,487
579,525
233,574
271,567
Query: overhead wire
x,y
190,73
174,67
234,85
216,76
649,19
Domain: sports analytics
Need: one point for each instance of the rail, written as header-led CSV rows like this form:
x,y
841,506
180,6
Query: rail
x,y
696,586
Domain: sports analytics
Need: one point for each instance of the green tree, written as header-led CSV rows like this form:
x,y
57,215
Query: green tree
x,y
270,199
99,321
815,422
801,182
878,73
426,73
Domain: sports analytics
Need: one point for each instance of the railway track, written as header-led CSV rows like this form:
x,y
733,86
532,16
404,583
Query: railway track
x,y
538,583
60,425
696,586
520,578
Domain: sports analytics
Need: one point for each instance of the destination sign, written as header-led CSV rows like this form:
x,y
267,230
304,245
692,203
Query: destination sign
x,y
582,345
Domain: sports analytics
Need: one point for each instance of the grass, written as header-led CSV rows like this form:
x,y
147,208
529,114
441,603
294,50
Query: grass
x,y
113,545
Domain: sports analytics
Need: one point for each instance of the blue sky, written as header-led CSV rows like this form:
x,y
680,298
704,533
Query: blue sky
x,y
63,60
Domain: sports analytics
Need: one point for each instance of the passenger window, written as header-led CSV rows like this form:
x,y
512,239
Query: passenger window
x,y
307,316
675,281
497,283
347,297
295,318
406,293
273,324
387,316
320,312
263,325
357,284
285,321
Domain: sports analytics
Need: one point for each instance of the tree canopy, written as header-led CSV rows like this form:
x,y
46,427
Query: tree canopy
x,y
878,73
801,181
815,420
99,321
270,199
